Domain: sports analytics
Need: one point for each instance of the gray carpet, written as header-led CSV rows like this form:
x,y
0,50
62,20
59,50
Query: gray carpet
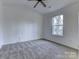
x,y
37,49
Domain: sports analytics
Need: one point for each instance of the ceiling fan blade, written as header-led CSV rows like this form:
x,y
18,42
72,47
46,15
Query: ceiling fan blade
x,y
35,0
32,0
36,4
43,3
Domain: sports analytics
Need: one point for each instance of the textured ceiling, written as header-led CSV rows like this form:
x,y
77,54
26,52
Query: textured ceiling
x,y
51,4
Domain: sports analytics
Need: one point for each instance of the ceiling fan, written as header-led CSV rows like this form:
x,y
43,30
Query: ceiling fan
x,y
39,1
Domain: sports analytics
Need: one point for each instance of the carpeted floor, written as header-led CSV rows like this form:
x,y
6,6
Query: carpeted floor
x,y
37,49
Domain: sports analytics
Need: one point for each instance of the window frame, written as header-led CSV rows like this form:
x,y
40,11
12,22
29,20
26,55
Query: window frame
x,y
58,25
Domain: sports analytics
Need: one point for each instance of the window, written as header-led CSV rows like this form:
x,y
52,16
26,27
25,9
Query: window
x,y
57,25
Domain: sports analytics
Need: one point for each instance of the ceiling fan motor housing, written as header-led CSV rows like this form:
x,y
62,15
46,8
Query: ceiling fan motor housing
x,y
39,0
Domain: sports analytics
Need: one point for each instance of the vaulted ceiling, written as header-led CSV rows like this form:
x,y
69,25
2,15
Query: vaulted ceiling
x,y
51,4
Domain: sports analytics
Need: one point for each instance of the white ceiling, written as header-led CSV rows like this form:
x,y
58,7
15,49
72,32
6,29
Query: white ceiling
x,y
51,4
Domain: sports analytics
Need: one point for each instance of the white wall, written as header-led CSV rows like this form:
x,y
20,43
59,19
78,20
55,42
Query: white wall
x,y
70,37
18,21
1,27
21,24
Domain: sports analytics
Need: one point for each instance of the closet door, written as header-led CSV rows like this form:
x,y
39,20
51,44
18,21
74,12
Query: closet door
x,y
78,25
27,31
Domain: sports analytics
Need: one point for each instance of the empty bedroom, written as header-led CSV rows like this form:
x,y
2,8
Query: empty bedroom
x,y
39,29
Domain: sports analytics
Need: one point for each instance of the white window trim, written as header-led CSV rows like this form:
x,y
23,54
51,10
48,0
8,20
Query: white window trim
x,y
58,25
